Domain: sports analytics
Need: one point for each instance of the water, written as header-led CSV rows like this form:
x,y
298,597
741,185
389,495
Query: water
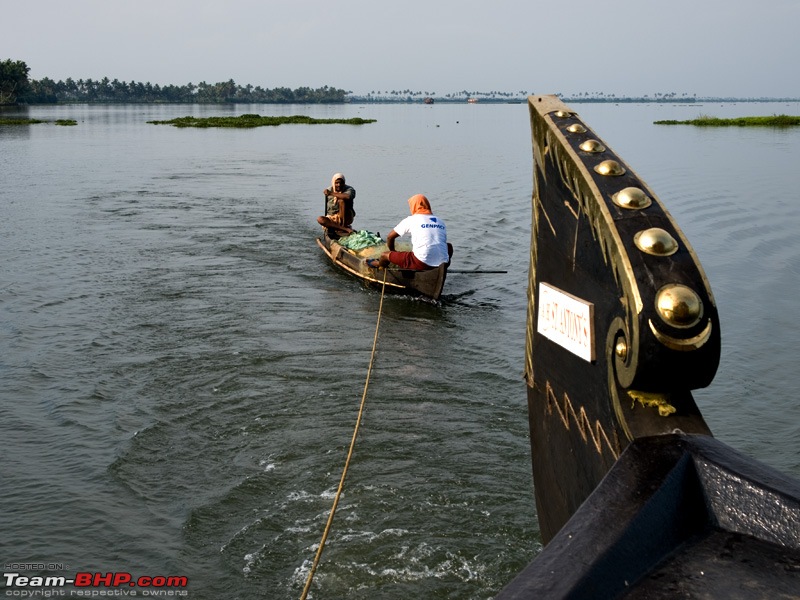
x,y
181,369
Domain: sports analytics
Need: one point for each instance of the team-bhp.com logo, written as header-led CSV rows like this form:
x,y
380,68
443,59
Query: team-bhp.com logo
x,y
95,584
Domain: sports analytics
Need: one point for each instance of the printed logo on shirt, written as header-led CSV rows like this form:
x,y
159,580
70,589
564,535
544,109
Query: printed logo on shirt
x,y
433,225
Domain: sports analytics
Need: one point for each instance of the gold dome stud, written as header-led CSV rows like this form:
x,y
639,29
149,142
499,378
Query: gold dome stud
x,y
632,198
610,168
679,306
576,128
655,241
621,350
563,114
592,146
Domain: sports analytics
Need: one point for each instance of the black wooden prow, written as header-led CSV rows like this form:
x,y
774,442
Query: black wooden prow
x,y
634,496
612,278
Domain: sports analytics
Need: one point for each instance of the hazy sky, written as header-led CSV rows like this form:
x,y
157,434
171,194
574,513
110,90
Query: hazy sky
x,y
625,47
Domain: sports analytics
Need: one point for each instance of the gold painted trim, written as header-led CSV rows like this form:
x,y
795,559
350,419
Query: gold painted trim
x,y
653,400
682,345
588,431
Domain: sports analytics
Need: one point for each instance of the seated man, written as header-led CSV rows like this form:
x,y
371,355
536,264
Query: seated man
x,y
429,246
339,212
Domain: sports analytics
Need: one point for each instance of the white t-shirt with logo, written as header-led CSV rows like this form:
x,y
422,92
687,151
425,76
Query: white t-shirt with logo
x,y
428,238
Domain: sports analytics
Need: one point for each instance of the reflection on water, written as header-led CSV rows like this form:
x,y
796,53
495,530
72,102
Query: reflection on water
x,y
181,368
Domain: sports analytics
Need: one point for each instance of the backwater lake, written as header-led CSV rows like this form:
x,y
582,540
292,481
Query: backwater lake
x,y
181,368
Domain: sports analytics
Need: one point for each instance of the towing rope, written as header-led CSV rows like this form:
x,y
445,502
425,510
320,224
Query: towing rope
x,y
350,453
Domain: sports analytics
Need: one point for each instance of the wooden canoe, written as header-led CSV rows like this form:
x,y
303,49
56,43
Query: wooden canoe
x,y
425,284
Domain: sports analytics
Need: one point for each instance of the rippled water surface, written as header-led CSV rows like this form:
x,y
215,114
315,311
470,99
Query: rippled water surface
x,y
181,370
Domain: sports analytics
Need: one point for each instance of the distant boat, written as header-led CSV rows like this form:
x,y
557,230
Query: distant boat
x,y
428,100
472,100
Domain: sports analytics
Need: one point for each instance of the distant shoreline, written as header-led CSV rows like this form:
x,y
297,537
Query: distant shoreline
x,y
470,100
568,100
16,89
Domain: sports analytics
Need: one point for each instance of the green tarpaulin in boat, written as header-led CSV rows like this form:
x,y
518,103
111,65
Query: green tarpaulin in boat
x,y
360,239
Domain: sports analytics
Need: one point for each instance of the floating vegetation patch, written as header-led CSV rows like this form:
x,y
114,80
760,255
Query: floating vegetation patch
x,y
706,121
250,120
20,121
36,121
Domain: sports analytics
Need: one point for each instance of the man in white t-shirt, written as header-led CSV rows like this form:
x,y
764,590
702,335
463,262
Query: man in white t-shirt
x,y
429,247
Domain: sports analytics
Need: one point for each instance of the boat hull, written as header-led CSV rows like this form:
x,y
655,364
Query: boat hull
x,y
426,284
677,516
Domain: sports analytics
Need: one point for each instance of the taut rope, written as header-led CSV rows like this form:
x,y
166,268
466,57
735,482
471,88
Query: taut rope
x,y
350,453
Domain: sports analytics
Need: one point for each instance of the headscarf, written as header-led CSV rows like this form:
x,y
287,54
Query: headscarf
x,y
419,205
335,177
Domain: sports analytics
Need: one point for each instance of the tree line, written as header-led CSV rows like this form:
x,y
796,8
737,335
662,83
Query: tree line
x,y
17,88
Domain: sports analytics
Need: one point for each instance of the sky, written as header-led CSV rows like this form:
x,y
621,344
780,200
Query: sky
x,y
621,47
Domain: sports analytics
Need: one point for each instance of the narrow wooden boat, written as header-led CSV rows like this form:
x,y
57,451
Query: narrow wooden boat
x,y
425,284
634,496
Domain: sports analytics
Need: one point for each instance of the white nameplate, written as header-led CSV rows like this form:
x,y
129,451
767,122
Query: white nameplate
x,y
567,320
